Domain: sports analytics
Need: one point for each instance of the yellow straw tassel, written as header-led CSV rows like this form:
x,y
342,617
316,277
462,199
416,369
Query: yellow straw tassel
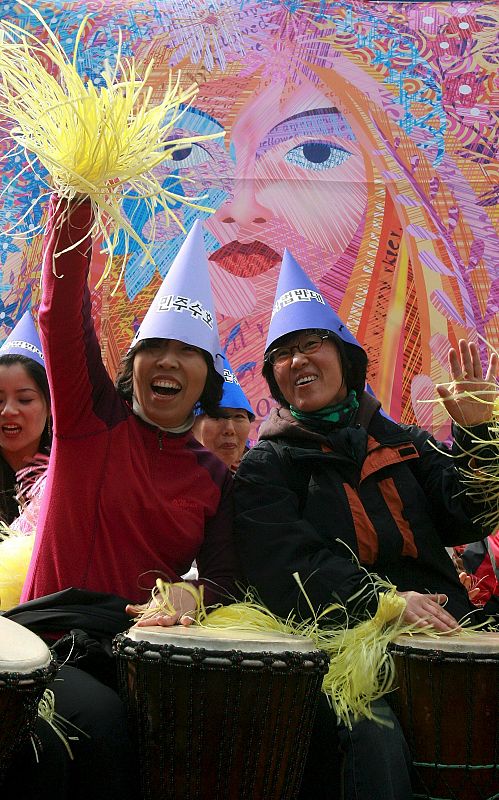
x,y
101,142
15,555
361,668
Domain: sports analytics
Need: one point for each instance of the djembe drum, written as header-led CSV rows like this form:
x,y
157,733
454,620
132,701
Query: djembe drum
x,y
26,669
219,716
448,705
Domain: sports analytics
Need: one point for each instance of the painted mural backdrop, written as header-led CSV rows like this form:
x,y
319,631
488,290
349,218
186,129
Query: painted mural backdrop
x,y
360,135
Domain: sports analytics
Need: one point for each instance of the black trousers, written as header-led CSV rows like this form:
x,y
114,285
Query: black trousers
x,y
370,761
103,764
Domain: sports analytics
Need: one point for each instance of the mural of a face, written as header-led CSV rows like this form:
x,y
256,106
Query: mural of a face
x,y
357,135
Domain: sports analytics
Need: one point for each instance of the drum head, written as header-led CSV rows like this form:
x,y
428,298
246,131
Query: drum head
x,y
479,642
21,651
221,639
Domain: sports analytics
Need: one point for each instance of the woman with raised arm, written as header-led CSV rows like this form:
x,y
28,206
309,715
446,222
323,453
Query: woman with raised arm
x,y
131,494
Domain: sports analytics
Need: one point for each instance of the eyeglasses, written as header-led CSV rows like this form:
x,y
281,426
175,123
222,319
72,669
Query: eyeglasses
x,y
307,344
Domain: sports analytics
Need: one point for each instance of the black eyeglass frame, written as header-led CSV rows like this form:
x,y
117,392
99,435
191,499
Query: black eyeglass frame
x,y
270,356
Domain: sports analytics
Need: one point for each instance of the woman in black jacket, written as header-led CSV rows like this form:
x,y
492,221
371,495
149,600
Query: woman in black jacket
x,y
332,476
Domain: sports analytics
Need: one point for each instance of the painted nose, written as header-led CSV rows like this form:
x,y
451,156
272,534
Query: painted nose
x,y
244,208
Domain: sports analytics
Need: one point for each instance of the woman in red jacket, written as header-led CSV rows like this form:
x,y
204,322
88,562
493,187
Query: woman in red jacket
x,y
131,495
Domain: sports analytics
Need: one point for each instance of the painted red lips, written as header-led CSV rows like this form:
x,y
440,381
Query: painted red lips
x,y
246,260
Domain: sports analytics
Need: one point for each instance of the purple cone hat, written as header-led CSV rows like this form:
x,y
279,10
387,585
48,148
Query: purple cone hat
x,y
299,305
183,308
24,340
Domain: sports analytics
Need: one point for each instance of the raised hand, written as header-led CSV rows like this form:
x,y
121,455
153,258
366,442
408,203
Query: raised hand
x,y
476,406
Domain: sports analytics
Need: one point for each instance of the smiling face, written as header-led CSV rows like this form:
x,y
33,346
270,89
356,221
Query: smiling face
x,y
311,381
225,435
168,379
23,415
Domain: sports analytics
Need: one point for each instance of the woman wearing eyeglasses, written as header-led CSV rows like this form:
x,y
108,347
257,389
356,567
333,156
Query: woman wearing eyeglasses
x,y
336,492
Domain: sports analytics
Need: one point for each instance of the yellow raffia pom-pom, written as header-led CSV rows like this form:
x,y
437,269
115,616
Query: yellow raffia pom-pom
x,y
15,554
361,667
101,142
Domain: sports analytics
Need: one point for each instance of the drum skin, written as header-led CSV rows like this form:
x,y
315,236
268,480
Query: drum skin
x,y
448,706
220,725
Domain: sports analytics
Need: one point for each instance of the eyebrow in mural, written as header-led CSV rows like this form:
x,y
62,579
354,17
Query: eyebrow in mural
x,y
329,121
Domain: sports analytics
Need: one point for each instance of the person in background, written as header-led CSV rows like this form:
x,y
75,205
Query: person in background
x,y
25,422
339,493
226,434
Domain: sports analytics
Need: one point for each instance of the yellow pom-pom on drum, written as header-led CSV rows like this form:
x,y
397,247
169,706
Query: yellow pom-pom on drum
x,y
26,668
219,714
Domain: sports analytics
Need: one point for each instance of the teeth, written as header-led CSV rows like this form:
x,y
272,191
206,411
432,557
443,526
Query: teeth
x,y
166,387
306,379
163,384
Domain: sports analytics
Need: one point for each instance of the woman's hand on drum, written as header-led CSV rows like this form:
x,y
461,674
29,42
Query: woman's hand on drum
x,y
182,601
426,609
477,405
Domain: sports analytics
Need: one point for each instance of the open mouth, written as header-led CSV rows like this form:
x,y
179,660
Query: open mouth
x,y
166,388
11,430
305,380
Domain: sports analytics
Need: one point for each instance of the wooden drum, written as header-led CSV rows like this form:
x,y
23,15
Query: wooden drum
x,y
26,669
448,705
219,716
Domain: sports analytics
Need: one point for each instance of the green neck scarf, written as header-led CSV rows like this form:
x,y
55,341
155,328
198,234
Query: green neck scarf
x,y
335,416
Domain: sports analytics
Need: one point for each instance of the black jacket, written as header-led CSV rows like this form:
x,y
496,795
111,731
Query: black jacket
x,y
387,493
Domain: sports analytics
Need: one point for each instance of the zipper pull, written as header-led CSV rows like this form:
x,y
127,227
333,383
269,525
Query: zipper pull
x,y
160,439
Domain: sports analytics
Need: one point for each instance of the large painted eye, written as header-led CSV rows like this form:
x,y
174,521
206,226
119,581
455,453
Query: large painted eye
x,y
317,155
190,156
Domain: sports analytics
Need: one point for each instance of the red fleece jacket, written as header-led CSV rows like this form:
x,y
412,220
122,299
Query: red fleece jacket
x,y
124,502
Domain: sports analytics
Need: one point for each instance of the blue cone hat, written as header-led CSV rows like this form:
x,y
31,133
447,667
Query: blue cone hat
x,y
299,305
233,395
183,308
24,340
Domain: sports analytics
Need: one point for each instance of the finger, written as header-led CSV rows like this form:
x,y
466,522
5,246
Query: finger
x,y
455,366
443,391
466,360
477,364
186,620
132,610
492,369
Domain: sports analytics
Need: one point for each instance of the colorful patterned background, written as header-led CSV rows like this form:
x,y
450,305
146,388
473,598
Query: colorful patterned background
x,y
360,135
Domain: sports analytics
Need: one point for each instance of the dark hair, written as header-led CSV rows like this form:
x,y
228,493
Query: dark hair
x,y
210,396
8,506
353,364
